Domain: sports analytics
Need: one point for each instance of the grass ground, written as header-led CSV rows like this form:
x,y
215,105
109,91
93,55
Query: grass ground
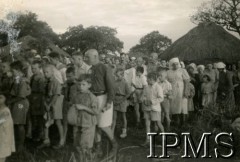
x,y
129,148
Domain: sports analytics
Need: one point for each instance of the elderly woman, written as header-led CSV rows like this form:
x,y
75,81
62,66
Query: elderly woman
x,y
225,89
178,77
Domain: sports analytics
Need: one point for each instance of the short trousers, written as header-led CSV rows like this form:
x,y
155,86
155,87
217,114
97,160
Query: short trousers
x,y
152,115
85,137
19,111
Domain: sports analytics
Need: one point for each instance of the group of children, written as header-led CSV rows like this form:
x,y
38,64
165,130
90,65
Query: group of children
x,y
43,99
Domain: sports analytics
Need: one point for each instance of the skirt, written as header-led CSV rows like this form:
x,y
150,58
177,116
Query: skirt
x,y
19,111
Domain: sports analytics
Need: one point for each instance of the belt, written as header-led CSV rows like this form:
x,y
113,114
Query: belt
x,y
119,95
99,93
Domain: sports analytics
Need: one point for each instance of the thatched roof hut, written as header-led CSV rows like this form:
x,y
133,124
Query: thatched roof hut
x,y
206,42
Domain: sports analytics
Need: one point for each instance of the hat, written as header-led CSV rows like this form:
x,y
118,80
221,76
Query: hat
x,y
192,65
201,67
221,65
174,60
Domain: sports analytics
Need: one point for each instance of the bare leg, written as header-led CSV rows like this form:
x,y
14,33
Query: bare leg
x,y
148,125
60,130
65,129
75,133
21,134
137,113
114,121
160,126
124,120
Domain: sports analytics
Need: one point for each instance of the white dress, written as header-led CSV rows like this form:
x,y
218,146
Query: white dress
x,y
7,144
178,103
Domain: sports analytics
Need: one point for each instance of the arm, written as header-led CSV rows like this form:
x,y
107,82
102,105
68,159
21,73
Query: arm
x,y
159,96
85,108
109,85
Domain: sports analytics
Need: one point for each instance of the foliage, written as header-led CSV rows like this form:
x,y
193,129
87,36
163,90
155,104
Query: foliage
x,y
222,12
152,42
101,38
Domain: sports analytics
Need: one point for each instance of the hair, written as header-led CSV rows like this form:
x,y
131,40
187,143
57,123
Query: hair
x,y
85,77
77,53
152,76
140,69
49,66
70,69
39,63
208,77
17,65
54,55
161,69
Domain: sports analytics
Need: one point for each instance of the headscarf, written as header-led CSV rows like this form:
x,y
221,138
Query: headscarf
x,y
201,67
221,65
194,66
172,61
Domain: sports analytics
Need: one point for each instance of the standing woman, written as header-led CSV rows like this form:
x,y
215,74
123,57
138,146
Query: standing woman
x,y
178,77
225,89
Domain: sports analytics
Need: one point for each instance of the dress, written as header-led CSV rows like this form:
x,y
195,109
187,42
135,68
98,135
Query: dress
x,y
7,144
178,103
207,90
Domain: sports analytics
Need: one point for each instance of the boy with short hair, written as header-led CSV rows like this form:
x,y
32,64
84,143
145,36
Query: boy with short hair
x,y
53,104
36,100
80,66
167,92
152,97
86,104
139,83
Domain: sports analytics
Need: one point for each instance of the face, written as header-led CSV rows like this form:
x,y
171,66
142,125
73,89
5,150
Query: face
x,y
190,70
153,56
53,61
120,74
2,99
175,66
164,63
108,60
117,62
5,67
83,86
35,69
90,59
102,58
139,62
209,66
48,72
221,70
77,60
205,79
200,70
70,77
15,72
162,76
151,81
234,67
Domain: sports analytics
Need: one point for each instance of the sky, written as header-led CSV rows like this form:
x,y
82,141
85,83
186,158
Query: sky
x,y
132,18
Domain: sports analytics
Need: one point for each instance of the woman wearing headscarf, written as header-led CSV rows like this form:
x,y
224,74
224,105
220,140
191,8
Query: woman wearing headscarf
x,y
179,78
225,89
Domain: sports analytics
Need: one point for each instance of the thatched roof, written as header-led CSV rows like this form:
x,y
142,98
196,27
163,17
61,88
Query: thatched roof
x,y
27,42
207,41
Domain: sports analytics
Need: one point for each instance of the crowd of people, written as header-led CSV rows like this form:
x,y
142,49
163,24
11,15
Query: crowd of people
x,y
91,90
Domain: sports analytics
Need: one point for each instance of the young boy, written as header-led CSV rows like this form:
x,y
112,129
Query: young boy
x,y
80,66
86,104
140,83
120,103
37,84
53,104
152,97
68,88
167,92
19,102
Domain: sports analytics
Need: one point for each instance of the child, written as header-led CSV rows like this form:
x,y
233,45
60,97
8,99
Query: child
x,y
67,90
167,92
19,102
191,94
207,90
122,92
37,84
152,97
53,106
86,104
7,145
140,83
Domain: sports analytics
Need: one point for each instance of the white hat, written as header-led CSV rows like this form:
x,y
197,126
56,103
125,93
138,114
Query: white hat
x,y
38,56
201,67
221,65
174,60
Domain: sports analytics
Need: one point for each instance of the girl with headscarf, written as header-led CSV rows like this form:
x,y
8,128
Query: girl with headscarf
x,y
178,77
225,89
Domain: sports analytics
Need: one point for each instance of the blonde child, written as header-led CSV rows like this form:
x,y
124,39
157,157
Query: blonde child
x,y
207,90
152,97
140,83
167,92
7,145
120,103
53,106
87,110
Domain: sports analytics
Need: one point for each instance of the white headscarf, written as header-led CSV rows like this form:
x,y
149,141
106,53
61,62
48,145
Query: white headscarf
x,y
172,61
221,65
194,66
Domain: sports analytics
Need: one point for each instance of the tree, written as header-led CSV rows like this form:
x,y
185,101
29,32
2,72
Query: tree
x,y
101,38
28,24
222,12
152,42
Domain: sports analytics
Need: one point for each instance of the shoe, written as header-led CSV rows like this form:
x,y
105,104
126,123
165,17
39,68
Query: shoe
x,y
59,146
124,133
43,145
114,147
